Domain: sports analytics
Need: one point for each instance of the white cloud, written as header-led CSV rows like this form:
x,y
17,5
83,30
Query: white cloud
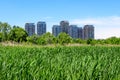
x,y
85,21
102,33
104,26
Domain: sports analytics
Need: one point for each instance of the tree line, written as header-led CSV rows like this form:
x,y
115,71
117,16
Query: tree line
x,y
18,34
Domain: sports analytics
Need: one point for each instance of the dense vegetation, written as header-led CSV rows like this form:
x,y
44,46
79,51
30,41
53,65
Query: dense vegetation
x,y
60,63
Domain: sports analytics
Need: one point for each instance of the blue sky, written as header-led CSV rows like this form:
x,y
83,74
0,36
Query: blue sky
x,y
103,14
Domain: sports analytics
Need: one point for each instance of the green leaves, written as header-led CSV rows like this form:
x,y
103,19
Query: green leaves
x,y
18,34
5,29
64,38
59,63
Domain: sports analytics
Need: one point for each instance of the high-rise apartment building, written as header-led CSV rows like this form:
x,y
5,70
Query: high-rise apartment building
x,y
30,28
64,25
56,29
41,28
88,32
73,31
80,32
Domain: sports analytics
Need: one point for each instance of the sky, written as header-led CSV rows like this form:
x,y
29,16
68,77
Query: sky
x,y
103,14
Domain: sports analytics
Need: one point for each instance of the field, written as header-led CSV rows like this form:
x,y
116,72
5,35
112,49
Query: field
x,y
60,63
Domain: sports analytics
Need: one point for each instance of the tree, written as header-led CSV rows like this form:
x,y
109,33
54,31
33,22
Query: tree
x,y
46,38
113,40
64,38
78,40
16,26
4,28
18,34
32,39
91,42
0,26
41,41
1,37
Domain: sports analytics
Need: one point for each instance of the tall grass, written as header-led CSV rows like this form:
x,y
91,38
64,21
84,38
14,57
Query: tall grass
x,y
60,63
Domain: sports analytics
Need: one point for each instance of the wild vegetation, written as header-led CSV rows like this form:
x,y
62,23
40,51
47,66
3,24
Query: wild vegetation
x,y
60,63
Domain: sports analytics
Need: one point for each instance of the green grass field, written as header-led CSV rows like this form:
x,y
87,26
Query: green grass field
x,y
60,63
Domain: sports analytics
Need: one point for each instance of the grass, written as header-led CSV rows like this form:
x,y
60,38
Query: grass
x,y
60,63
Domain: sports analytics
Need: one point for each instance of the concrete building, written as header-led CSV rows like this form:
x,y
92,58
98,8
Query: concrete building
x,y
73,31
56,29
80,32
64,25
41,28
88,32
30,28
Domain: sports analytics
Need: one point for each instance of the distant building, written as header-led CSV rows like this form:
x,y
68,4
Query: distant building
x,y
64,25
80,32
41,28
73,31
56,29
30,28
88,32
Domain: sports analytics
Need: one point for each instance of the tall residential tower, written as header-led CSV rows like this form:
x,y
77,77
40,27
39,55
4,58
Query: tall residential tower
x,y
30,28
64,25
56,29
88,32
73,31
41,28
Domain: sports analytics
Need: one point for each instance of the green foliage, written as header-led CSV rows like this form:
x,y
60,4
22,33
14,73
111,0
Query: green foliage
x,y
79,41
16,26
46,38
0,26
1,37
59,63
113,40
91,41
100,41
32,39
41,41
64,38
5,29
18,34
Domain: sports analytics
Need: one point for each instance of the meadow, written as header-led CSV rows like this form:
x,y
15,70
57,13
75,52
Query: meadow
x,y
60,63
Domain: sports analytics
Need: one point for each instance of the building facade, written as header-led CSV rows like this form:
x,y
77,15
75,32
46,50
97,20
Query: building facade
x,y
30,28
88,32
64,25
73,31
56,29
41,28
80,32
